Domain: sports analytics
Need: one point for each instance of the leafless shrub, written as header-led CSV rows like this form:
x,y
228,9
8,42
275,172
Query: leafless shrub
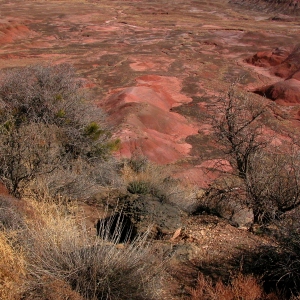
x,y
273,182
241,287
262,177
238,128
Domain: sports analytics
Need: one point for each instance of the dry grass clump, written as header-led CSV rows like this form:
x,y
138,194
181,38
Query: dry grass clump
x,y
61,252
10,217
12,269
78,181
240,287
140,170
144,177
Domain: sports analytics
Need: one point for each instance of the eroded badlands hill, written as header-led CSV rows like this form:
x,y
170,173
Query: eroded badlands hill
x,y
155,66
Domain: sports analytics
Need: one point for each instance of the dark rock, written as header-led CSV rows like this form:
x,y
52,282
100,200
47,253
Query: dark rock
x,y
149,210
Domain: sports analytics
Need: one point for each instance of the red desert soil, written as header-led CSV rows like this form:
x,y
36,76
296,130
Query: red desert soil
x,y
10,32
156,67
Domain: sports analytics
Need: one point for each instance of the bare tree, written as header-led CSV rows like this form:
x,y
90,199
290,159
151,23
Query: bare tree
x,y
27,152
238,128
264,178
273,183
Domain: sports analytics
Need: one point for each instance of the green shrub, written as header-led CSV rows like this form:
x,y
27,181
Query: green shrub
x,y
139,187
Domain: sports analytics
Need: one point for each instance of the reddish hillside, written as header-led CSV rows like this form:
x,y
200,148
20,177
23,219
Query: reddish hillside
x,y
286,66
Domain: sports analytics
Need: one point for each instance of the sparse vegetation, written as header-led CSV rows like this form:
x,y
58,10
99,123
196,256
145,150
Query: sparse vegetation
x,y
55,147
278,264
144,177
55,155
56,257
264,178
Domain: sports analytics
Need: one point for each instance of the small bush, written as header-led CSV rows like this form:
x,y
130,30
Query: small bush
x,y
144,177
48,124
240,287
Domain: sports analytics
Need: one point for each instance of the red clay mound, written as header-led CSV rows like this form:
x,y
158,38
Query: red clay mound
x,y
10,32
283,64
290,65
146,124
283,92
268,58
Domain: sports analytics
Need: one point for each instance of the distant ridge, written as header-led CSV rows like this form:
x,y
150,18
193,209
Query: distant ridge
x,y
290,7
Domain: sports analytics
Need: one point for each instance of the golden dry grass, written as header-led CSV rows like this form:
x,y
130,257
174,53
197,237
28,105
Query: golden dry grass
x,y
12,269
158,181
144,171
60,252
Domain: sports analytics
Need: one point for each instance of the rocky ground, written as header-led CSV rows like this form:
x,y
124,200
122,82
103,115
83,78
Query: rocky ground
x,y
154,67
